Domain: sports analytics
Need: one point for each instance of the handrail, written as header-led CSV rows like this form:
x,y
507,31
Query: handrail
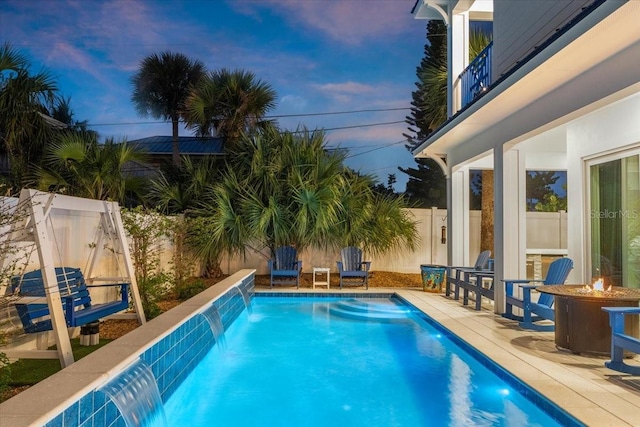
x,y
476,78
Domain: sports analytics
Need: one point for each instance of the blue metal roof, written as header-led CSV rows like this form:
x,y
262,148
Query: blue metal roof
x,y
188,145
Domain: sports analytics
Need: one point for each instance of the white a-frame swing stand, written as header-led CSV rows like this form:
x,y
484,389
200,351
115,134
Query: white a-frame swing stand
x,y
37,227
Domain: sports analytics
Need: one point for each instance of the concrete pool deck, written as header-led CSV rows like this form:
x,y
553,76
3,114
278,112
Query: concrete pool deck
x,y
581,385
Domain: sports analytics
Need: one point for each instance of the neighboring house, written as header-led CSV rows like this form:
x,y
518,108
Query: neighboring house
x,y
561,91
160,148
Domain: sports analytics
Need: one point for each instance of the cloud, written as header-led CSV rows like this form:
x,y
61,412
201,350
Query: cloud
x,y
349,87
351,22
293,103
343,92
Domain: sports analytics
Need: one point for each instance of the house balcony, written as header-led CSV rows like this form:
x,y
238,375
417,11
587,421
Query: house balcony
x,y
476,78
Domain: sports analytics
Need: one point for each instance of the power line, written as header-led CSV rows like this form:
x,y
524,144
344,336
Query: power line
x,y
362,126
298,131
326,113
374,110
379,148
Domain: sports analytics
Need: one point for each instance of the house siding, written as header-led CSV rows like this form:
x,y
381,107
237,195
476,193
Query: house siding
x,y
520,26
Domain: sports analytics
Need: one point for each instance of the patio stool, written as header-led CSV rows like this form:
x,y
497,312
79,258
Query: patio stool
x,y
321,270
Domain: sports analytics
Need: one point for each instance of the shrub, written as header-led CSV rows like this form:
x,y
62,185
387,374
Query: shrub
x,y
187,290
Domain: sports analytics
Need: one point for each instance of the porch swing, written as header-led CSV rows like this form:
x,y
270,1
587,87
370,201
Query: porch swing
x,y
58,297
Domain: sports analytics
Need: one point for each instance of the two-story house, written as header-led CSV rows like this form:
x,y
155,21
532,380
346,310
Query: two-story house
x,y
560,90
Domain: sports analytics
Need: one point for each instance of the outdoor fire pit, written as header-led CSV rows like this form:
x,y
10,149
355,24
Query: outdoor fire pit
x,y
581,326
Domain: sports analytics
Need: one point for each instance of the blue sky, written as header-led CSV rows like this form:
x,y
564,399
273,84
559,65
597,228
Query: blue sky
x,y
320,57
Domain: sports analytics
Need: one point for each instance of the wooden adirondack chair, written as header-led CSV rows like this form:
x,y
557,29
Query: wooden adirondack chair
x,y
286,267
542,309
352,269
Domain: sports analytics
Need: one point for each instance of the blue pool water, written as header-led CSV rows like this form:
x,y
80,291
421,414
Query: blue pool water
x,y
318,362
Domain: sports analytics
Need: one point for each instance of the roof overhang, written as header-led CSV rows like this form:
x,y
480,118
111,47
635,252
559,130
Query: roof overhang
x,y
591,63
479,10
56,124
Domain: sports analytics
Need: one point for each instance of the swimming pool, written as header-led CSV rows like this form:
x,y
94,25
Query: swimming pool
x,y
172,345
335,361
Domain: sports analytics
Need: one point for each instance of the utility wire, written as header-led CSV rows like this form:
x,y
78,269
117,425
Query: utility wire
x,y
295,131
327,113
378,148
376,110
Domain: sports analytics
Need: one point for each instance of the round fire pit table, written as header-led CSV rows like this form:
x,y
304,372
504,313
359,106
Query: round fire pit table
x,y
580,325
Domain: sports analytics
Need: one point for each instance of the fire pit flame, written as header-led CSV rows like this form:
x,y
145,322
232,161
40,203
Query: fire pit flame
x,y
598,286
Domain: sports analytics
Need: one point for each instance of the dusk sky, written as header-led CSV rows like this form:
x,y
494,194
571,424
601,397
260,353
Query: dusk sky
x,y
328,56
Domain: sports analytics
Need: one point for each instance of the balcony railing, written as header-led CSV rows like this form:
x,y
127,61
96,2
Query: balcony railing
x,y
476,78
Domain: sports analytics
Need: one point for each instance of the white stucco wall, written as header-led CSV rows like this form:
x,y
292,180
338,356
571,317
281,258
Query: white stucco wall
x,y
611,129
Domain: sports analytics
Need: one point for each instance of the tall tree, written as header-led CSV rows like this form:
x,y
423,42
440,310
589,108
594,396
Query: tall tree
x,y
161,87
427,185
429,100
539,186
285,188
429,111
25,101
230,103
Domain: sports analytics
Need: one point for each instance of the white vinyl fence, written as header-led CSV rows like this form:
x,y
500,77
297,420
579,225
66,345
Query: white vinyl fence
x,y
546,234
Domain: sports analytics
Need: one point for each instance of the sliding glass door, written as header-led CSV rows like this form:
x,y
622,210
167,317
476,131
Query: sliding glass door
x,y
615,221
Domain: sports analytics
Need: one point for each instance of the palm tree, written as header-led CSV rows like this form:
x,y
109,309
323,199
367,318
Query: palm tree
x,y
228,104
376,222
180,189
79,166
285,188
161,87
25,100
429,109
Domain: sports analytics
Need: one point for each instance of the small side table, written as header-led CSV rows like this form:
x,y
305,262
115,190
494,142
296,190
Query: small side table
x,y
320,270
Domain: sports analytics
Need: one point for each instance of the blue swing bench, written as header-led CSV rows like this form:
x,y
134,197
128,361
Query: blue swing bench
x,y
74,293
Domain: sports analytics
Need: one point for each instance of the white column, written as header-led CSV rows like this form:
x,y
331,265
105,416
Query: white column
x,y
458,58
510,232
458,222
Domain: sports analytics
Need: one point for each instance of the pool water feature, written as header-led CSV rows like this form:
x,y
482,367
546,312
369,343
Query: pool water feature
x,y
135,392
299,361
245,297
215,323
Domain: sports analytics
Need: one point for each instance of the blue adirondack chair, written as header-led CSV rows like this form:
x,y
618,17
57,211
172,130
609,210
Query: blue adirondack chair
x,y
543,308
352,269
620,341
285,268
455,279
